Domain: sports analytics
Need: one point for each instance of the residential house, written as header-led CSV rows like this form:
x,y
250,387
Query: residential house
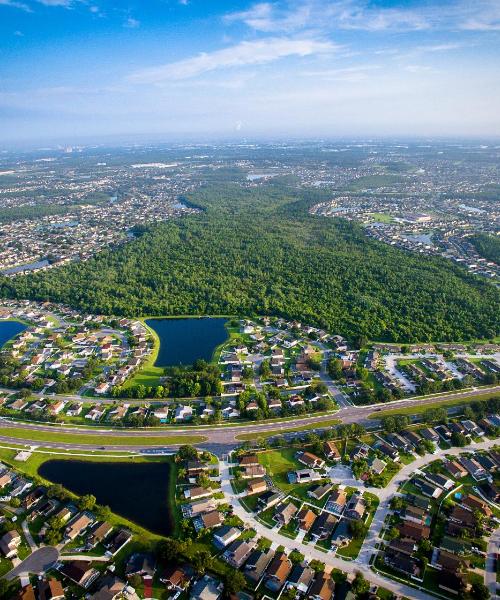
x,y
473,468
50,589
285,513
300,577
322,587
305,518
342,534
277,572
268,499
206,588
78,526
226,535
80,572
9,543
323,526
337,501
237,553
356,507
256,486
319,491
257,564
310,460
455,469
414,531
195,493
208,520
331,451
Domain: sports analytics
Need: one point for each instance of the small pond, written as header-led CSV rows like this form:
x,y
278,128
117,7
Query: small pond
x,y
9,329
182,341
136,491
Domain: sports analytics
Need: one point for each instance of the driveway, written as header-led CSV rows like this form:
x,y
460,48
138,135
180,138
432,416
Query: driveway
x,y
36,563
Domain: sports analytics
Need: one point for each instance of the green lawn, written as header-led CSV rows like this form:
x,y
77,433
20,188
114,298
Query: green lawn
x,y
148,374
278,463
35,435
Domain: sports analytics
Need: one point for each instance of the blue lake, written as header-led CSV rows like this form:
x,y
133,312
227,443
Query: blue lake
x,y
9,329
182,341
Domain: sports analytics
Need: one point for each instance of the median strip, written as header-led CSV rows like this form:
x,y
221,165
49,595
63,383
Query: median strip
x,y
36,435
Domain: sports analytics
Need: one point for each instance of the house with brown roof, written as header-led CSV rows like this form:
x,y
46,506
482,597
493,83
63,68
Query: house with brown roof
x,y
331,451
80,572
174,577
277,572
310,460
415,531
50,589
237,553
455,469
253,471
195,493
256,486
322,587
208,520
26,593
305,519
99,532
474,503
78,525
285,513
249,460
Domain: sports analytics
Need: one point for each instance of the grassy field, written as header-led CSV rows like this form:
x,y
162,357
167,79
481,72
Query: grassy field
x,y
267,434
36,435
414,410
382,217
148,374
278,463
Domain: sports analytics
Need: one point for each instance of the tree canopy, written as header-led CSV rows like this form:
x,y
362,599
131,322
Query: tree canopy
x,y
260,251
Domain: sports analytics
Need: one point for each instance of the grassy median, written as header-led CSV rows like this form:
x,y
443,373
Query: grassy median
x,y
36,435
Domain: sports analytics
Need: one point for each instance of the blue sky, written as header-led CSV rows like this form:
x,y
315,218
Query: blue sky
x,y
214,68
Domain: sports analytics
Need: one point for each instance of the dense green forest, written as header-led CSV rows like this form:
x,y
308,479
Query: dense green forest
x,y
488,246
259,251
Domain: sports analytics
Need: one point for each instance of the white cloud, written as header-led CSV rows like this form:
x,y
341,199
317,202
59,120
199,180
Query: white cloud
x,y
256,52
15,4
132,23
482,15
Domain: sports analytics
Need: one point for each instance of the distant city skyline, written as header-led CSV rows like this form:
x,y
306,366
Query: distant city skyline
x,y
75,70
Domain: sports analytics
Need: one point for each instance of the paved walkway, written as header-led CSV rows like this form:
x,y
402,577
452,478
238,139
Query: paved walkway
x,y
28,536
490,572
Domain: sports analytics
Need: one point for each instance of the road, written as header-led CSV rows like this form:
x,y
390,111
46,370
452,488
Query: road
x,y
490,572
309,551
219,438
40,561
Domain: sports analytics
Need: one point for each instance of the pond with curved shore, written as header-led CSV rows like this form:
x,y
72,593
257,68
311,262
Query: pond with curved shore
x,y
138,492
184,340
9,330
